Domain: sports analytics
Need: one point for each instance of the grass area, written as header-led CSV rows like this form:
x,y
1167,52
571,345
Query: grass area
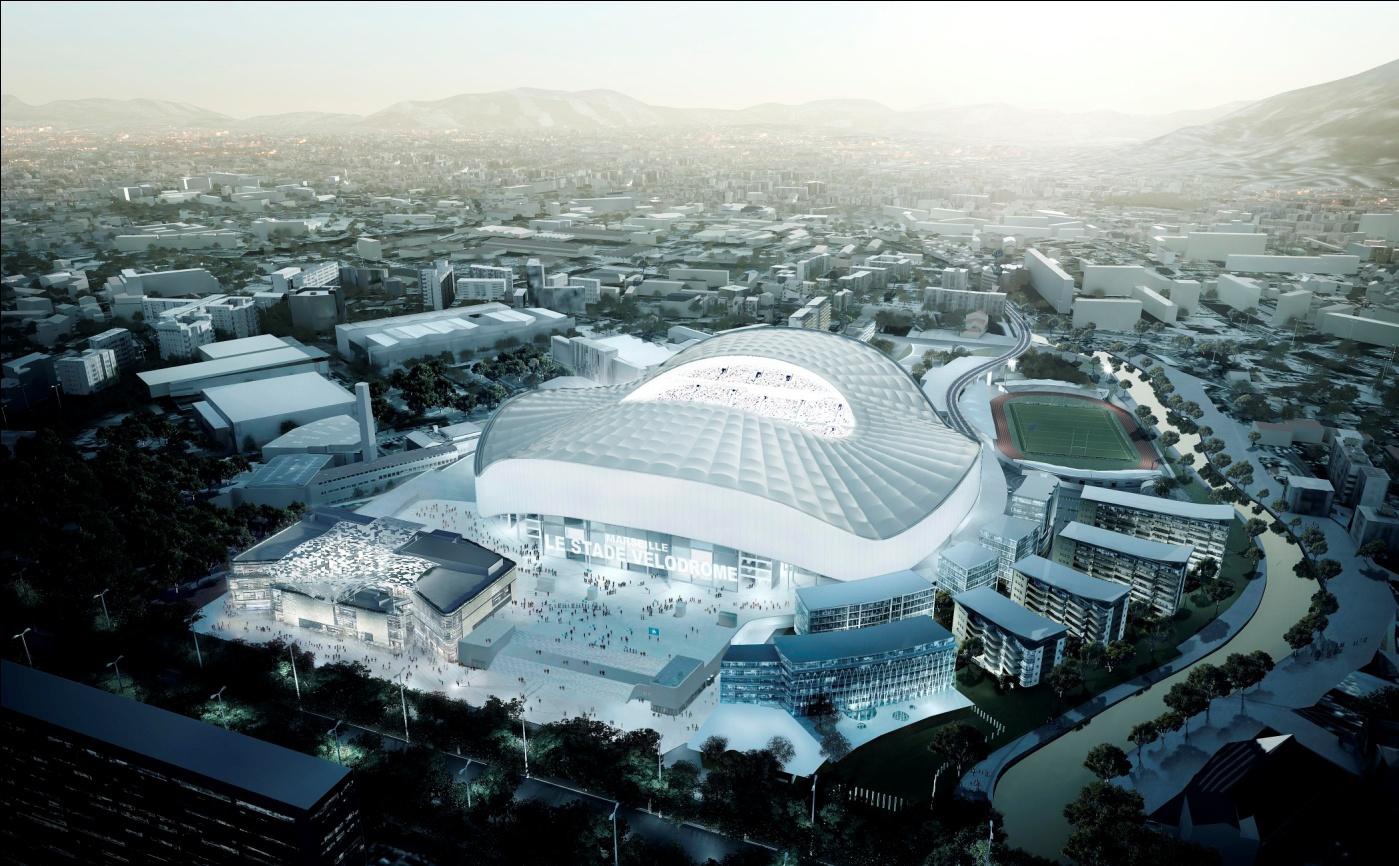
x,y
899,763
1081,436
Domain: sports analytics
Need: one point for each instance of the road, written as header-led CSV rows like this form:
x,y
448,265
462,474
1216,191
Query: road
x,y
954,391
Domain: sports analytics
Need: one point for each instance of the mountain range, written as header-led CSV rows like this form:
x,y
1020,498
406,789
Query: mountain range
x,y
1341,133
534,109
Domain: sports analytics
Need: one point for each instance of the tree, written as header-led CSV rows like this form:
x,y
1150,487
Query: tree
x,y
1327,569
834,745
1102,817
1116,653
1207,569
1299,635
1211,681
1169,722
959,744
1107,761
1188,701
1253,437
1143,734
1218,591
1243,672
1371,549
713,748
1255,527
781,749
1065,678
1169,438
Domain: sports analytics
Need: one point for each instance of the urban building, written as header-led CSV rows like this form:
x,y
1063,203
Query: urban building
x,y
437,285
1357,481
248,415
859,670
1375,523
1015,642
967,565
87,372
1307,495
393,342
613,360
1093,610
123,345
861,603
230,361
945,300
1204,527
317,310
179,338
1011,539
94,777
466,584
1154,570
1035,500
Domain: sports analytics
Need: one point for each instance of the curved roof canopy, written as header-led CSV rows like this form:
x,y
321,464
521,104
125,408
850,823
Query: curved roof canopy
x,y
821,423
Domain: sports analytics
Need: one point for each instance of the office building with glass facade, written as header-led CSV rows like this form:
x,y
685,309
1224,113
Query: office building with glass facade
x,y
858,670
861,603
967,565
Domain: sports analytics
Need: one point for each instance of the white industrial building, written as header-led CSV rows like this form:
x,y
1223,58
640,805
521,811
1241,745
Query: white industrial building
x,y
398,340
1050,281
251,414
232,361
1261,264
1107,314
612,360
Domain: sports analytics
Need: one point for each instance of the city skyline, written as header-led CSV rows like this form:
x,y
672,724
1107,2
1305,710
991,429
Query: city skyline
x,y
766,57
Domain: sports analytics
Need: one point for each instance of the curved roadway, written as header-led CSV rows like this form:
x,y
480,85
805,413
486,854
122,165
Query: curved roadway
x,y
955,419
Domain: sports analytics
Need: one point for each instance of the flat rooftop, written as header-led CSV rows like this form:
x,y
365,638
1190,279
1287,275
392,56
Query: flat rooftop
x,y
288,470
279,357
889,637
284,395
243,346
1141,548
1071,581
195,748
871,589
1173,507
1012,617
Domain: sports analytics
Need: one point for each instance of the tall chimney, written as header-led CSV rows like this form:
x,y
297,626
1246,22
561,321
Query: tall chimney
x,y
364,413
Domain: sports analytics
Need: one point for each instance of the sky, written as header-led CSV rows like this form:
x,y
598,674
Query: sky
x,y
264,58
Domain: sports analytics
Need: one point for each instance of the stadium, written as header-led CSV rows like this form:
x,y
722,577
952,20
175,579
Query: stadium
x,y
761,456
1071,432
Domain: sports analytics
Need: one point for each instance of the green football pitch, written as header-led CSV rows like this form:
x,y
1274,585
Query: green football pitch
x,y
1079,436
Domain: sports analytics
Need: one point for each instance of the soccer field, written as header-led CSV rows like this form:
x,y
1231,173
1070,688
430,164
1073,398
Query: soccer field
x,y
1085,437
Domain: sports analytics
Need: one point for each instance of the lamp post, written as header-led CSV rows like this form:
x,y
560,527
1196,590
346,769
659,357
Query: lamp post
x,y
403,699
295,680
198,656
114,665
813,814
466,781
218,696
20,638
102,597
58,392
615,806
335,732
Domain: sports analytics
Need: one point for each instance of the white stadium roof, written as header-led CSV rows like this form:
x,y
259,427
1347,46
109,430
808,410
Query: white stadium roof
x,y
747,436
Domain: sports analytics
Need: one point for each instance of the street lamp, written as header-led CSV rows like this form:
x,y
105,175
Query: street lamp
x,y
335,732
58,392
466,781
20,638
813,813
403,699
218,696
102,596
615,806
295,680
113,664
198,656
524,743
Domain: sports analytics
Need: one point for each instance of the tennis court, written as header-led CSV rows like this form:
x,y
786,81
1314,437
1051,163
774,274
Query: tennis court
x,y
1070,433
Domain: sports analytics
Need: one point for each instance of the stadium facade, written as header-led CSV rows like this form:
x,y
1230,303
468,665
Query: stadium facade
x,y
768,456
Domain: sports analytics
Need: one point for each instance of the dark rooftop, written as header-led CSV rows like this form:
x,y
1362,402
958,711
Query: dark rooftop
x,y
751,652
270,771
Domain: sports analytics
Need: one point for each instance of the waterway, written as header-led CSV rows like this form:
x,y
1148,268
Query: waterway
x,y
1033,793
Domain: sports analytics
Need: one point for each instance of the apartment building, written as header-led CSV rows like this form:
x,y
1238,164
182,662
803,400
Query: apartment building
x,y
1204,527
1154,570
1015,642
1093,610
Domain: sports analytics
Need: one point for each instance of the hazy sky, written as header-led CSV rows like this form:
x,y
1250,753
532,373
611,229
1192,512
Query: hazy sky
x,y
255,58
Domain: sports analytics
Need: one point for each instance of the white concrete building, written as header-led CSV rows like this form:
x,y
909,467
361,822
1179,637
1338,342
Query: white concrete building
x,y
1050,281
1239,293
1107,314
86,373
